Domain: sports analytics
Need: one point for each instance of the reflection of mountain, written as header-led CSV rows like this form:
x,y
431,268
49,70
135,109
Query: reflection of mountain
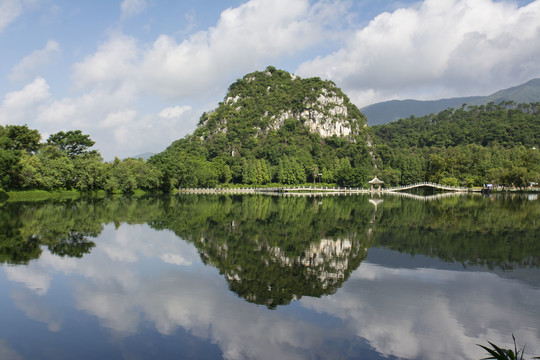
x,y
269,276
272,250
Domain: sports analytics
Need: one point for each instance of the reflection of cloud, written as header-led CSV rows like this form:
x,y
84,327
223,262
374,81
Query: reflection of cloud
x,y
6,352
31,277
130,243
432,314
410,313
196,303
36,310
175,259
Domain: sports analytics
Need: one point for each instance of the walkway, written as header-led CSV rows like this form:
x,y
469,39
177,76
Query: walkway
x,y
297,190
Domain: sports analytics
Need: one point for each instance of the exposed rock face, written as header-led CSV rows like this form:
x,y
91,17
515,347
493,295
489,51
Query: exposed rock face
x,y
322,268
266,100
328,260
327,116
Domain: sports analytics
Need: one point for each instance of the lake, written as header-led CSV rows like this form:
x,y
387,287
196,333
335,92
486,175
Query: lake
x,y
270,277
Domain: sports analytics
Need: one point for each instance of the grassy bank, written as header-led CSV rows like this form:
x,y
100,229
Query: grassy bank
x,y
39,195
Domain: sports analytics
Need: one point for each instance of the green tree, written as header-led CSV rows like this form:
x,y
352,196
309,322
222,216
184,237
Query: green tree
x,y
73,142
57,170
19,138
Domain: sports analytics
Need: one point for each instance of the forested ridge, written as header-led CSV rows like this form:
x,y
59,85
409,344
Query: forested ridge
x,y
276,128
467,146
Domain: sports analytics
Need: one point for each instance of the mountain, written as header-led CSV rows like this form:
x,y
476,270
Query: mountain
x,y
388,111
144,156
273,126
263,101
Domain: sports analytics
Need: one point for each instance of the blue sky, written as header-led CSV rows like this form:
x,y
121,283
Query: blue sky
x,y
137,74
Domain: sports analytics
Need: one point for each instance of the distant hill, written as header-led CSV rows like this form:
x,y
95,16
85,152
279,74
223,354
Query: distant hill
x,y
388,111
144,156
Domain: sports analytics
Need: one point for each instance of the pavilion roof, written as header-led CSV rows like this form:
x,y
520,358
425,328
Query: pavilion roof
x,y
376,181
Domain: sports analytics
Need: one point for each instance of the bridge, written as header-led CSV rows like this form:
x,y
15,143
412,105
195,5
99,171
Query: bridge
x,y
319,190
427,184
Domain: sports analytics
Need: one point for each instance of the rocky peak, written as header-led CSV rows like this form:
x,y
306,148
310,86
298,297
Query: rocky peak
x,y
263,101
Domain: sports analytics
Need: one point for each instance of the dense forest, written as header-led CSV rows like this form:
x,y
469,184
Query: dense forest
x,y
277,128
467,146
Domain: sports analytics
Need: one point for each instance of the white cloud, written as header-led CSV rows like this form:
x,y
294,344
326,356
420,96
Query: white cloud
x,y
437,48
173,112
18,107
132,7
112,65
34,92
9,11
31,63
244,38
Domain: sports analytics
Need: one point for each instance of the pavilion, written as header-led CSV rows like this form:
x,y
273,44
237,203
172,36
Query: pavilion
x,y
376,182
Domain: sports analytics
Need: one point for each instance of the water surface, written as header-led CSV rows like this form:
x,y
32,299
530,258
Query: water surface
x,y
262,277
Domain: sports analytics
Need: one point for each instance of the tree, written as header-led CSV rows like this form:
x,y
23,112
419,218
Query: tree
x,y
74,143
56,169
19,138
89,172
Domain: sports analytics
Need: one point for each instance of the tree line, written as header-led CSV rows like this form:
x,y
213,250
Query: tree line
x,y
470,146
65,161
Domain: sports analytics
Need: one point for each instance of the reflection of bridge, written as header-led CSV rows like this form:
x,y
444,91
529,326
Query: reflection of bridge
x,y
427,184
310,190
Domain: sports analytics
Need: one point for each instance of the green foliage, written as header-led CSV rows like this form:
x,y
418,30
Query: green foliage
x,y
492,144
19,138
258,133
74,143
498,353
64,162
482,125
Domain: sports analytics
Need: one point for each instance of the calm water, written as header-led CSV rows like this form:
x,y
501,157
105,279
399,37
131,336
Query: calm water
x,y
261,277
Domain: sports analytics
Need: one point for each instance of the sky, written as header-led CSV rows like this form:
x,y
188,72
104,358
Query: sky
x,y
137,74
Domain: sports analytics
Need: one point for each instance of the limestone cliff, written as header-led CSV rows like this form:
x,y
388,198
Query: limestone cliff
x,y
262,102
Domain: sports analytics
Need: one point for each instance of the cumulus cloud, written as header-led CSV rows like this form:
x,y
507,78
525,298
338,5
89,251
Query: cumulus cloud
x,y
112,65
436,48
9,11
244,38
31,63
20,106
132,7
173,112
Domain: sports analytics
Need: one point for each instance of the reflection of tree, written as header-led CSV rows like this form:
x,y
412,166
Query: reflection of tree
x,y
273,250
18,251
64,226
495,232
75,244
